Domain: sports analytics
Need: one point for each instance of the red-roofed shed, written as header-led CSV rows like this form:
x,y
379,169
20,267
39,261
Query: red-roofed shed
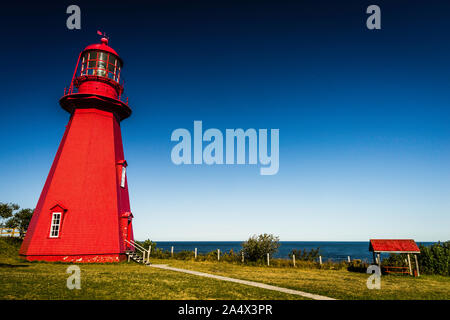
x,y
407,246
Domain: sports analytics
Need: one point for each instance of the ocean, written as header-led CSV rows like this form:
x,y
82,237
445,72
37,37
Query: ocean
x,y
329,250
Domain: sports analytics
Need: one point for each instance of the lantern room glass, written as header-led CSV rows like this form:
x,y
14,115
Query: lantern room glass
x,y
100,63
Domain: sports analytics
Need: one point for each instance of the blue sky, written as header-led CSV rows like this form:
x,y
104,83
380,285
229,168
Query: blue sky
x,y
363,115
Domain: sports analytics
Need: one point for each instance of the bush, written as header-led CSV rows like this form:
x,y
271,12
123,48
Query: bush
x,y
9,246
257,247
434,259
356,265
305,255
184,255
231,256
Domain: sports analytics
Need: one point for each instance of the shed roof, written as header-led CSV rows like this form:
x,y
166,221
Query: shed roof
x,y
394,245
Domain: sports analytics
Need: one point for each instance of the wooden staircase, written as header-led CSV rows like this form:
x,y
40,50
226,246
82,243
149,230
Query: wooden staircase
x,y
139,254
136,257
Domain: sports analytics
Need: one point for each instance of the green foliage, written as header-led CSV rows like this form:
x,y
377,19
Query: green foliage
x,y
20,220
257,247
7,209
356,265
146,244
434,259
9,246
305,255
12,218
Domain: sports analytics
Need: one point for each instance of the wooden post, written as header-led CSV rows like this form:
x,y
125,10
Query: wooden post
x,y
320,260
293,259
409,265
242,257
379,260
268,260
171,251
149,251
128,258
417,265
195,253
348,259
218,254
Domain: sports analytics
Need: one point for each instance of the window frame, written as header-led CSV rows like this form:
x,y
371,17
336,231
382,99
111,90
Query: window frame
x,y
91,65
55,222
123,176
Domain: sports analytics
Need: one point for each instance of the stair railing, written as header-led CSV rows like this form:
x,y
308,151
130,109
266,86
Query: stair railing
x,y
141,248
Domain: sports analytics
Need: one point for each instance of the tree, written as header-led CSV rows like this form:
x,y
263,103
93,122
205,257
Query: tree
x,y
20,220
6,210
147,243
257,247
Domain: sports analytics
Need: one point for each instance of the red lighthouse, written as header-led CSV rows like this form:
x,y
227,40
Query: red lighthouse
x,y
83,213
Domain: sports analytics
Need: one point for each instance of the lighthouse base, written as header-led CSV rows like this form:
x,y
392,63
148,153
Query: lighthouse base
x,y
87,258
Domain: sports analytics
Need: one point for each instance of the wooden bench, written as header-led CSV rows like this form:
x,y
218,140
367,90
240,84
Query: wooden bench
x,y
391,269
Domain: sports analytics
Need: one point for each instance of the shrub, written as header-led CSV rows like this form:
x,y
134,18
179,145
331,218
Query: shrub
x,y
257,247
146,244
434,259
356,265
305,255
184,255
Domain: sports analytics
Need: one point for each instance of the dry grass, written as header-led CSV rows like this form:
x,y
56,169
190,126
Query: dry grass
x,y
340,284
25,280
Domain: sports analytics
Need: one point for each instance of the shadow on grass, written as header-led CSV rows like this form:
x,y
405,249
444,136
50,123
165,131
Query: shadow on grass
x,y
6,265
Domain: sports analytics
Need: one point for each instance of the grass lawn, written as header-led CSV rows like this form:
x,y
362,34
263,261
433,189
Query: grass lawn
x,y
39,280
339,284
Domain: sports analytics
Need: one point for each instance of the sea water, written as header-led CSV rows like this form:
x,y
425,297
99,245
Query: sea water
x,y
329,250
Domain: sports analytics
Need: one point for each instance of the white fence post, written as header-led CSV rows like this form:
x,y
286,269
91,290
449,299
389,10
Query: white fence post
x,y
348,258
320,260
218,254
171,251
293,259
242,257
268,260
149,251
195,253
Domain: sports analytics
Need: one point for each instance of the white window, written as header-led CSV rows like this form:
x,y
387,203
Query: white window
x,y
56,223
122,180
